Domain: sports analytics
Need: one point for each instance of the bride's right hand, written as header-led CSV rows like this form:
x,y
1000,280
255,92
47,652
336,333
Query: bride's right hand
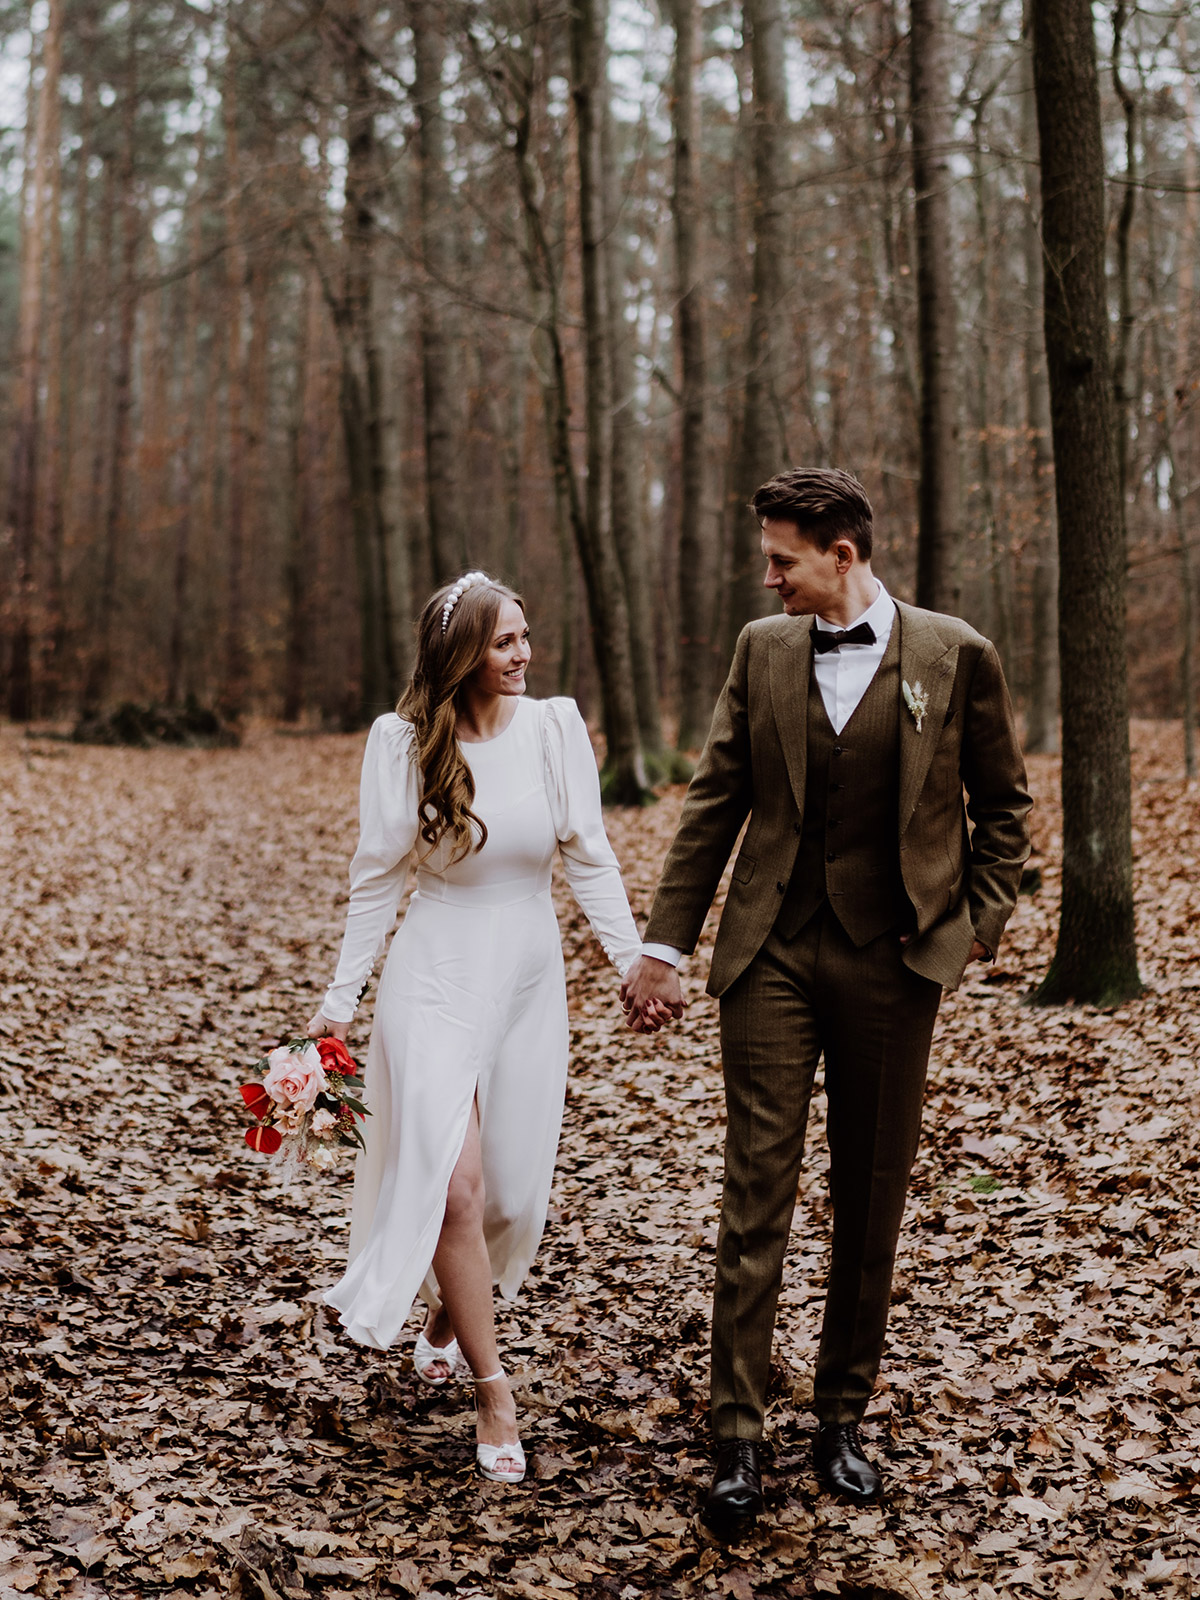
x,y
320,1027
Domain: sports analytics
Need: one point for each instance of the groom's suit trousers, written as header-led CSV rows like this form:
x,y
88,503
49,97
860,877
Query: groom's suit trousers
x,y
873,1019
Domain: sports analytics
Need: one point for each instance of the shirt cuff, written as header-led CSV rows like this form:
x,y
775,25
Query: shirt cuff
x,y
663,952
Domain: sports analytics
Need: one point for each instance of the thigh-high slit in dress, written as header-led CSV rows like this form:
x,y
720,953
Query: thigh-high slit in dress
x,y
472,1000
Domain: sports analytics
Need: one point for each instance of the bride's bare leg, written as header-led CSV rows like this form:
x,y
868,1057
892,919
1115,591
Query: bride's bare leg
x,y
464,1275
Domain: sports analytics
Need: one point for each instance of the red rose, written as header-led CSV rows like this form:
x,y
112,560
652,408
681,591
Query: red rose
x,y
258,1101
265,1140
336,1058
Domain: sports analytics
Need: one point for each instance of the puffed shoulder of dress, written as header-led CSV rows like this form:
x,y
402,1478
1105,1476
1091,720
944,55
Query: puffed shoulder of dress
x,y
569,752
395,734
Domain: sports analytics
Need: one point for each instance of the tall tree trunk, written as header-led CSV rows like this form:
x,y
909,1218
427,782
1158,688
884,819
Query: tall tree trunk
x,y
440,356
627,520
762,447
625,777
360,388
299,562
98,678
232,695
1182,399
697,597
39,193
1125,318
1096,956
996,597
188,414
53,497
939,508
1041,721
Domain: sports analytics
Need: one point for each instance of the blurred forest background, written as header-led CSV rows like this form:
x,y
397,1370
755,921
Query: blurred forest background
x,y
306,306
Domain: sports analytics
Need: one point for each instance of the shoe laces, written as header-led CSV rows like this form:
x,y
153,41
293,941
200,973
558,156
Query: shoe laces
x,y
846,1433
743,1452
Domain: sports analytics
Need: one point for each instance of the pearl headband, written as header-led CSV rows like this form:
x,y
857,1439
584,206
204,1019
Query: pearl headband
x,y
469,581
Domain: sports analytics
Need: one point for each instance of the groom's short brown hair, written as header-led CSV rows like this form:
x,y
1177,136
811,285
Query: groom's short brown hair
x,y
825,504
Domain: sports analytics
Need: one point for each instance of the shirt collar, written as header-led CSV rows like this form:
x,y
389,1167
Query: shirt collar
x,y
880,614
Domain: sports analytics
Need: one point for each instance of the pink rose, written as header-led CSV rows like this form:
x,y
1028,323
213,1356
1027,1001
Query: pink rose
x,y
294,1077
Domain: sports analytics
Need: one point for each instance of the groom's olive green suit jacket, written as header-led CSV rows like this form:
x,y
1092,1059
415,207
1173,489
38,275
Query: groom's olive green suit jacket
x,y
962,880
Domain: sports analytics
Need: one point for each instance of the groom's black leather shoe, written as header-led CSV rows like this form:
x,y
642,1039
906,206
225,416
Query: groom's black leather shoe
x,y
736,1496
841,1464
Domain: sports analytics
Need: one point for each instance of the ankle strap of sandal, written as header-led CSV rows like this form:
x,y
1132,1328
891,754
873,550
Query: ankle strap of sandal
x,y
493,1378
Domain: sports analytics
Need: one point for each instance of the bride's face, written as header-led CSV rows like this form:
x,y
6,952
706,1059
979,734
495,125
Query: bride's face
x,y
502,671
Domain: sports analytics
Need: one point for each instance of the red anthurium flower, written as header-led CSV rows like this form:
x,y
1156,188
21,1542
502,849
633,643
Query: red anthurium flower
x,y
258,1101
265,1140
336,1058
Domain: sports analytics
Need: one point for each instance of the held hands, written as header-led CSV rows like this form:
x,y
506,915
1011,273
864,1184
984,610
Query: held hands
x,y
650,995
320,1027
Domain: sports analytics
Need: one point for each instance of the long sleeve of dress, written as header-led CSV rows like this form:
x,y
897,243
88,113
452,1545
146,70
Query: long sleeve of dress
x,y
573,785
388,797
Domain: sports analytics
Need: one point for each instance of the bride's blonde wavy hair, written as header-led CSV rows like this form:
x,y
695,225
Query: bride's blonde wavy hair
x,y
431,703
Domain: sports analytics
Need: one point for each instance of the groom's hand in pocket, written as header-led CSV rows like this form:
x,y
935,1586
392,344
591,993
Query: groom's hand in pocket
x,y
650,994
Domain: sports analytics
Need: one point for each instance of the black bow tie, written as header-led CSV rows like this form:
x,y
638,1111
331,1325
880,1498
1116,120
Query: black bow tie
x,y
823,640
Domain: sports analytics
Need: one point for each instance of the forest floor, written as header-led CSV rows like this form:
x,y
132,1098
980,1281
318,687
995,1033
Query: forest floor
x,y
182,1415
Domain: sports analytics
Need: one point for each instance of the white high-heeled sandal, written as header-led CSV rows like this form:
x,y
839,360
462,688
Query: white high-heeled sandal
x,y
487,1455
427,1356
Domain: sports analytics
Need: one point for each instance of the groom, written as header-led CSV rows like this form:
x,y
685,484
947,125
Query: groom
x,y
845,734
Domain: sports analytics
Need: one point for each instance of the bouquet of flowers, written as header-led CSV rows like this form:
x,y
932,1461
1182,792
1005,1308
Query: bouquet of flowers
x,y
306,1103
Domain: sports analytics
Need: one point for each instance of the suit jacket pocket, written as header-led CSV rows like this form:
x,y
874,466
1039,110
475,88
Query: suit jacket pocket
x,y
743,869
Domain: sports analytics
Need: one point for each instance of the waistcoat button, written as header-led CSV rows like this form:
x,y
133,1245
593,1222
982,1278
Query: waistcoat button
x,y
831,856
781,887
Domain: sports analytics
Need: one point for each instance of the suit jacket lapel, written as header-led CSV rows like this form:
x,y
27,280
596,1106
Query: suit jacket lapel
x,y
927,666
790,665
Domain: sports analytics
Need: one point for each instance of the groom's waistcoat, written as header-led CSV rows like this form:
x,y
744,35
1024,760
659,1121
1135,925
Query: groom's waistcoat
x,y
849,851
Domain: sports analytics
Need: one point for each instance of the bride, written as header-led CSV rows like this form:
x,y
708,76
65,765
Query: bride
x,y
466,1070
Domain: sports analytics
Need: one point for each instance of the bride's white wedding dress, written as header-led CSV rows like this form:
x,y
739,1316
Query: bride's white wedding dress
x,y
472,1001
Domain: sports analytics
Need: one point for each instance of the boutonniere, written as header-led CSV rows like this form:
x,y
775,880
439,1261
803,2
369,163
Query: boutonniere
x,y
915,700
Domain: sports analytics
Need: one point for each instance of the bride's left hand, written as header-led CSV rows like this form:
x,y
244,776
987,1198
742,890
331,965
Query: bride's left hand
x,y
320,1027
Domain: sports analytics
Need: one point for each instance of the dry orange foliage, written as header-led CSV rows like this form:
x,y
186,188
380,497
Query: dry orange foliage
x,y
183,1417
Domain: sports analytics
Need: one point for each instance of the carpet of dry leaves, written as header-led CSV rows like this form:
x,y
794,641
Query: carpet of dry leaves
x,y
182,1416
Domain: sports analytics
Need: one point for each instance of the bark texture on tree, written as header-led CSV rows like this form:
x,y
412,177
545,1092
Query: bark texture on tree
x,y
697,597
26,507
232,695
1122,396
939,499
625,774
630,533
1096,956
1041,721
440,363
762,446
98,678
360,398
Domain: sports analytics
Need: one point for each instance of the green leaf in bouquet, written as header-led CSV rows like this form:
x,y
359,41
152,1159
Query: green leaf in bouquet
x,y
356,1105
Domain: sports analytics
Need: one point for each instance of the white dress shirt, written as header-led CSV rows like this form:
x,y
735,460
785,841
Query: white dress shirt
x,y
843,677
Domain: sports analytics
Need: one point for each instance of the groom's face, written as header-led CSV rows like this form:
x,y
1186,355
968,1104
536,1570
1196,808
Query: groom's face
x,y
804,577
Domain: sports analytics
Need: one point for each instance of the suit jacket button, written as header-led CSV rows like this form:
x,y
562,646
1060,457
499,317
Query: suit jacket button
x,y
831,856
837,750
781,887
